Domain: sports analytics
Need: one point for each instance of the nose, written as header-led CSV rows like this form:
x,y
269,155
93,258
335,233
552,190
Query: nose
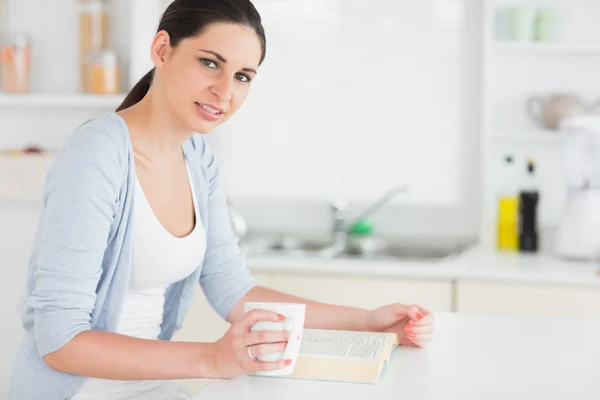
x,y
222,87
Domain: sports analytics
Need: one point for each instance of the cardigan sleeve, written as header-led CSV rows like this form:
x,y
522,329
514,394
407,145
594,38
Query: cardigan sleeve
x,y
224,277
80,201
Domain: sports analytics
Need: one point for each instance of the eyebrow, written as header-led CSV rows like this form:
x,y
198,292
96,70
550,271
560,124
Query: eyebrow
x,y
223,60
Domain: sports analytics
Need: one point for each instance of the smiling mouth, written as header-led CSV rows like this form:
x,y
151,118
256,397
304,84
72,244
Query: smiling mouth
x,y
210,109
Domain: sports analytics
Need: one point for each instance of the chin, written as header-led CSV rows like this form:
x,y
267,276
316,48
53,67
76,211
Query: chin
x,y
203,129
203,126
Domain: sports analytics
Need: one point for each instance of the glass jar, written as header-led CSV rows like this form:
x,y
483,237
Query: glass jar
x,y
103,72
16,63
93,33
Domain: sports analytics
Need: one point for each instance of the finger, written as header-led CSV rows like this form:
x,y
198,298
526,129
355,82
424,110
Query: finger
x,y
422,341
424,311
260,337
420,315
426,320
254,316
269,366
262,349
419,330
420,338
415,313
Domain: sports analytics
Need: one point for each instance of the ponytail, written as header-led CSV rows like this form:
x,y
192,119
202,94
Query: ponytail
x,y
138,92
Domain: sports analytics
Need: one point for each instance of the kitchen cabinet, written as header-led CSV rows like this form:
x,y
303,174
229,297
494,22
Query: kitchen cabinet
x,y
202,323
130,26
56,104
17,232
365,292
22,176
527,299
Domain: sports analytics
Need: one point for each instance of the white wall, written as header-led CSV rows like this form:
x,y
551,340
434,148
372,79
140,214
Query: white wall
x,y
351,101
308,131
358,156
354,99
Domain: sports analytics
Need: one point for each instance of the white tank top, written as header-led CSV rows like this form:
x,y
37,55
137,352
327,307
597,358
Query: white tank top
x,y
159,259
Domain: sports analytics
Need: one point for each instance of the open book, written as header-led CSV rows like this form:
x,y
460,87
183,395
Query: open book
x,y
344,355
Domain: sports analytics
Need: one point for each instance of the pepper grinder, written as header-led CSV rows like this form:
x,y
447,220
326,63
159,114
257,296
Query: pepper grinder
x,y
529,199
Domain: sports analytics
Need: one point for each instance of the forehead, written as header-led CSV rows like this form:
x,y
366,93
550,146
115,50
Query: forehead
x,y
238,44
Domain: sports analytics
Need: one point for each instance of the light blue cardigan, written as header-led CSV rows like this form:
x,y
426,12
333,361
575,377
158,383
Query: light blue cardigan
x,y
80,265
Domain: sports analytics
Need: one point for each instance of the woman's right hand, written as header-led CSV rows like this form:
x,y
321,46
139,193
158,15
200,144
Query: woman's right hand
x,y
231,355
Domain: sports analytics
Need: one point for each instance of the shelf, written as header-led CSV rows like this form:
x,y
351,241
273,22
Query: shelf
x,y
521,134
549,47
52,100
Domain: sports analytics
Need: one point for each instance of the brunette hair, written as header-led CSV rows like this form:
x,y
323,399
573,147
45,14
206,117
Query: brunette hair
x,y
188,18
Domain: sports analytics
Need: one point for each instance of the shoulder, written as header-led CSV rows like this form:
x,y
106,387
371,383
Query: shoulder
x,y
97,147
102,139
102,134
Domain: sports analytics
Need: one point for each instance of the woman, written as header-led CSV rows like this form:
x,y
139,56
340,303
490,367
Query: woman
x,y
133,217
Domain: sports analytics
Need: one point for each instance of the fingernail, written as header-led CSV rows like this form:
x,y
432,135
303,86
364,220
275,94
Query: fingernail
x,y
408,329
288,362
411,336
419,315
281,317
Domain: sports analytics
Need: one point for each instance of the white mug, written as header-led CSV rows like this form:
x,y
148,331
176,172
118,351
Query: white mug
x,y
294,323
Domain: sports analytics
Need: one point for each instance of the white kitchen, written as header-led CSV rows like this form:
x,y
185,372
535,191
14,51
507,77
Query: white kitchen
x,y
433,152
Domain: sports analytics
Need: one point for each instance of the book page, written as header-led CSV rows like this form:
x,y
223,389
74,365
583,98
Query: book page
x,y
366,346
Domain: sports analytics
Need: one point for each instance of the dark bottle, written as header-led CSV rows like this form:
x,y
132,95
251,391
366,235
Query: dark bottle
x,y
529,198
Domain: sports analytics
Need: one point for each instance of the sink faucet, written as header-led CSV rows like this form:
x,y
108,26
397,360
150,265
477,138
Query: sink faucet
x,y
341,226
339,212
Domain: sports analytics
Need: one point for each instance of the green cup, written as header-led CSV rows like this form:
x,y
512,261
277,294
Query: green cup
x,y
521,23
545,25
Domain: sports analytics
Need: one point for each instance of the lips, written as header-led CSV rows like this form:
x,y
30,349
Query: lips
x,y
209,112
211,108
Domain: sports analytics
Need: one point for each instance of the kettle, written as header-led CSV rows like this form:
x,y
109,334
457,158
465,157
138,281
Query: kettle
x,y
550,111
578,232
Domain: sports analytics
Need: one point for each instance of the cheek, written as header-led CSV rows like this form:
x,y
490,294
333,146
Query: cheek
x,y
185,78
240,95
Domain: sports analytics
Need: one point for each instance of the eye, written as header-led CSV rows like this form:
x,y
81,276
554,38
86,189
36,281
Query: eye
x,y
209,63
243,77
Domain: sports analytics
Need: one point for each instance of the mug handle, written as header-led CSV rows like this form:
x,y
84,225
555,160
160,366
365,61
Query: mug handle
x,y
295,337
533,107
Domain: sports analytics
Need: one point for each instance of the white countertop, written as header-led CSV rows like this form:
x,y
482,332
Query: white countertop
x,y
477,263
472,357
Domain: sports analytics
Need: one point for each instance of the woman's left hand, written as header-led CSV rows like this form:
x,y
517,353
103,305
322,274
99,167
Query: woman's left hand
x,y
413,324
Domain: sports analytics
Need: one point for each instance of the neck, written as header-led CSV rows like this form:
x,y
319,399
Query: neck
x,y
154,133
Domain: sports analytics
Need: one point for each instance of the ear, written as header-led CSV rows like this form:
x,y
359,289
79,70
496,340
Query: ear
x,y
161,48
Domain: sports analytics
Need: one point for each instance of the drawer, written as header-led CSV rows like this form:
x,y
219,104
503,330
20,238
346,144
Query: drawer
x,y
22,176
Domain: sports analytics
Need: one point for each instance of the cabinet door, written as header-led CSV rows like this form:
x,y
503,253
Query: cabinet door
x,y
527,299
366,292
202,323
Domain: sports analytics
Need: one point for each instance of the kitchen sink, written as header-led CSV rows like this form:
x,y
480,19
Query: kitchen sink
x,y
367,248
399,251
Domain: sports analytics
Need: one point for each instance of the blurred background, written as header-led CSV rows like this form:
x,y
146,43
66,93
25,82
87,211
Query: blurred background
x,y
440,152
